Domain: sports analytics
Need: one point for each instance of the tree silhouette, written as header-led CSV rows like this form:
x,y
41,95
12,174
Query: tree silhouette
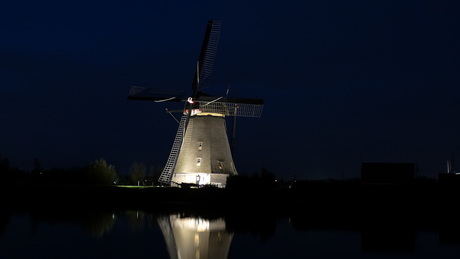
x,y
154,174
137,172
4,165
37,168
99,172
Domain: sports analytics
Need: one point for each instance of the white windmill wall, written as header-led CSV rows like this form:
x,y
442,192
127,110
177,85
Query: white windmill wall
x,y
205,156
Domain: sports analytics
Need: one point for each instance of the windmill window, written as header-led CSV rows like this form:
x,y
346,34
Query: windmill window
x,y
198,161
200,146
221,166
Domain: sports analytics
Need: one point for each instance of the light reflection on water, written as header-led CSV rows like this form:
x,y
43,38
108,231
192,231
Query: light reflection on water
x,y
140,234
195,237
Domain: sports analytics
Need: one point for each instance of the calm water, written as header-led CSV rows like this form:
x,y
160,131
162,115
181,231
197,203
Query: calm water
x,y
140,234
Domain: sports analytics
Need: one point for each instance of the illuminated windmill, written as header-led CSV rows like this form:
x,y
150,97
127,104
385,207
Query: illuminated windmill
x,y
201,153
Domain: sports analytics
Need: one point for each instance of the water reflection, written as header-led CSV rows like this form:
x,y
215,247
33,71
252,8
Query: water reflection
x,y
153,234
96,223
389,240
177,235
195,237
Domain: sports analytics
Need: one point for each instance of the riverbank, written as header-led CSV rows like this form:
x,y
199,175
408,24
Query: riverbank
x,y
331,197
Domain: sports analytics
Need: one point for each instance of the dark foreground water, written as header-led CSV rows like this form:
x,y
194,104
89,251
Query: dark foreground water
x,y
76,233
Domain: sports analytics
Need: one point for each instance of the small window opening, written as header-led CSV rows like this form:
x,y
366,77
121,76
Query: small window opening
x,y
200,146
198,161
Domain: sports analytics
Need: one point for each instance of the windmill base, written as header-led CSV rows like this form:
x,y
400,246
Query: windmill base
x,y
199,179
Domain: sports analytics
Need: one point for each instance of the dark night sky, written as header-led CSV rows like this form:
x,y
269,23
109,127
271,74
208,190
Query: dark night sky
x,y
342,81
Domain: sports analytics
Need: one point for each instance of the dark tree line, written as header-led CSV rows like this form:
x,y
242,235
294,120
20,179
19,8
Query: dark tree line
x,y
10,174
138,174
261,180
101,173
95,172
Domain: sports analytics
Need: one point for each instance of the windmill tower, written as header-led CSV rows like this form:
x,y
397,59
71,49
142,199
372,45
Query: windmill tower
x,y
201,153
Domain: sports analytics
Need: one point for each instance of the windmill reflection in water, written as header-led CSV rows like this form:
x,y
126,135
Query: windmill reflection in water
x,y
195,237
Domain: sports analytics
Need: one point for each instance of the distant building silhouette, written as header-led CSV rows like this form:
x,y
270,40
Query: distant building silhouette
x,y
451,176
390,173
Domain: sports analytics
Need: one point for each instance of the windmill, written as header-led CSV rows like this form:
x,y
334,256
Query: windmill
x,y
201,153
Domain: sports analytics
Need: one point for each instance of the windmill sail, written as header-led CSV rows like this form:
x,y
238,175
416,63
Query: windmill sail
x,y
203,71
149,94
207,55
240,107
